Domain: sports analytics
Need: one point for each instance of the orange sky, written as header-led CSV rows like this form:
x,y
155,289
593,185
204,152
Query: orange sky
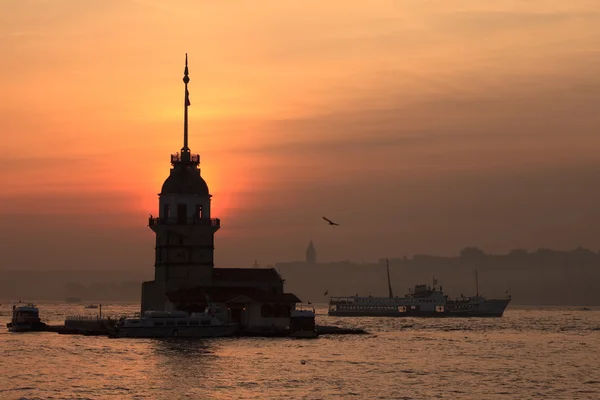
x,y
422,126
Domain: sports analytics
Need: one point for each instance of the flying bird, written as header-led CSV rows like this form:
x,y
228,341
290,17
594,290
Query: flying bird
x,y
330,222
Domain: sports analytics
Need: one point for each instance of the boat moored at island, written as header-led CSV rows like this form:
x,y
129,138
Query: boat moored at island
x,y
26,318
302,324
160,324
423,301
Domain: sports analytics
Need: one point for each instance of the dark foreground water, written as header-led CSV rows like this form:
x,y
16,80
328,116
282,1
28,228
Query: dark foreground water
x,y
527,354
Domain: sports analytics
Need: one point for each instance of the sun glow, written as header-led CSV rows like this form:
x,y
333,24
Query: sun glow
x,y
297,107
224,177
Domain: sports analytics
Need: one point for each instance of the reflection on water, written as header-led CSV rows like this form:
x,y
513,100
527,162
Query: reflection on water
x,y
184,347
180,361
529,353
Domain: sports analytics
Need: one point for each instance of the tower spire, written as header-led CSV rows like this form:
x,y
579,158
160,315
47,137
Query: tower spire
x,y
186,80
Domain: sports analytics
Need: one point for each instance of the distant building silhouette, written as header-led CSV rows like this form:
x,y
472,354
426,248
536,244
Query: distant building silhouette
x,y
311,254
540,277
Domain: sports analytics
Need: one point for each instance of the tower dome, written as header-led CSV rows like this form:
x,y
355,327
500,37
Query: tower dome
x,y
185,180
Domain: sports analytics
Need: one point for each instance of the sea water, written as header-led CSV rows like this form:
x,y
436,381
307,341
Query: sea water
x,y
529,353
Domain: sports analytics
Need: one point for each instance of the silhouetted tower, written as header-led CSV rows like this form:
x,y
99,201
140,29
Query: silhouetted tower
x,y
184,227
311,254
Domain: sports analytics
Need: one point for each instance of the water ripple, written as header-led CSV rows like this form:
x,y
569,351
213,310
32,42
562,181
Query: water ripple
x,y
546,354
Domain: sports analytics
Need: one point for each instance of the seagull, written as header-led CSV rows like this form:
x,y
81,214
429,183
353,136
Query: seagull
x,y
330,222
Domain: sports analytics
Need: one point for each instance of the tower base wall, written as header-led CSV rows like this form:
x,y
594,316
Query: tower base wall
x,y
153,296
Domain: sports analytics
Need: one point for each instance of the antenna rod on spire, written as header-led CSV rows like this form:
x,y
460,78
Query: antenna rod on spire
x,y
186,80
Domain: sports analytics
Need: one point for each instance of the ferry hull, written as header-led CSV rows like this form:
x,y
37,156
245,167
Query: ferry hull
x,y
25,327
182,331
490,308
420,314
493,308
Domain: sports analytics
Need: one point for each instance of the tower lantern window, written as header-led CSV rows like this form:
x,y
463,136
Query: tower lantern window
x,y
181,213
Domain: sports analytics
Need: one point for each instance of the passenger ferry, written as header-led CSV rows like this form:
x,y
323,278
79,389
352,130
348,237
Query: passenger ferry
x,y
158,324
423,301
26,318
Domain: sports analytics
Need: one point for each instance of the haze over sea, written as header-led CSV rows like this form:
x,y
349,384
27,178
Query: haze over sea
x,y
549,353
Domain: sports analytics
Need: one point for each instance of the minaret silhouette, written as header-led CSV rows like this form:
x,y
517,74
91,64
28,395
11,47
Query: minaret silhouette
x,y
184,228
311,254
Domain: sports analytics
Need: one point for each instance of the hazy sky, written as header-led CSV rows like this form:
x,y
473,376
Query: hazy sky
x,y
420,126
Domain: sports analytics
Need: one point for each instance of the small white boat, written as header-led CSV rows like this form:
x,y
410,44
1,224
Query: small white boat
x,y
157,324
26,318
302,324
91,306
